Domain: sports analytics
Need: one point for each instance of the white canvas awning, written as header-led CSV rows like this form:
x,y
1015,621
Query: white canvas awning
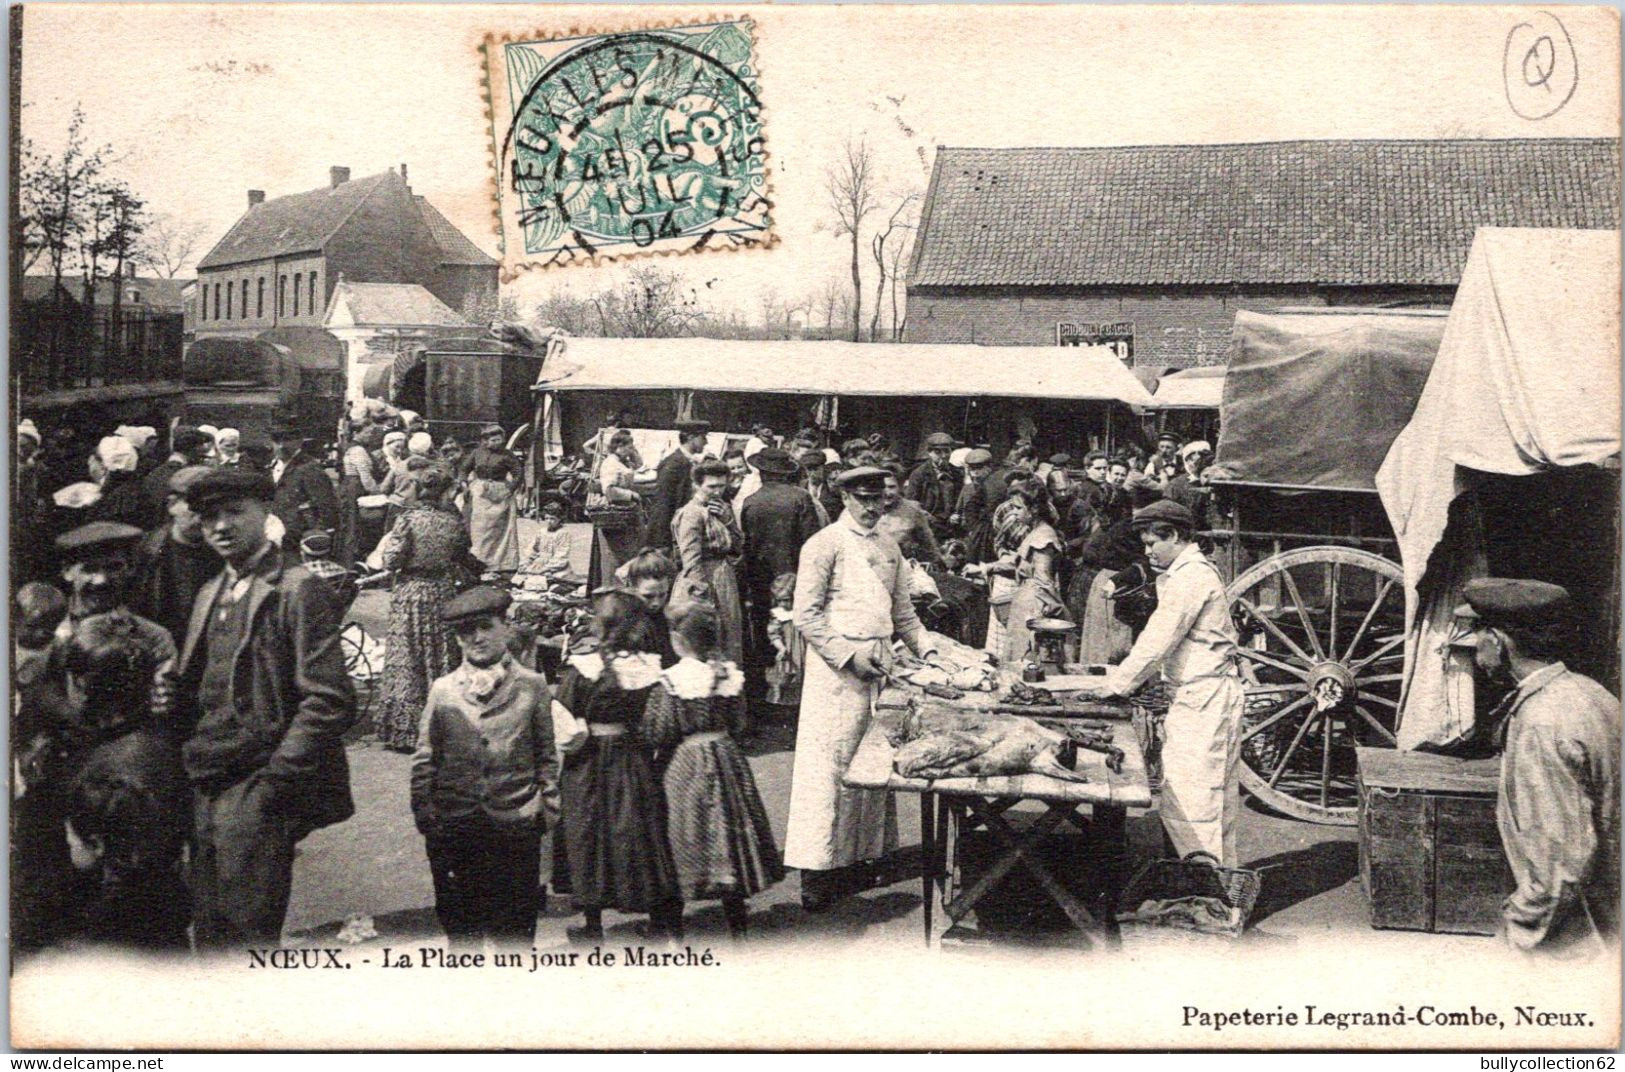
x,y
1527,379
1194,388
1092,373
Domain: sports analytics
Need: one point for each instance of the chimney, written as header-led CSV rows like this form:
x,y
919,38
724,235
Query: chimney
x,y
404,178
256,197
337,176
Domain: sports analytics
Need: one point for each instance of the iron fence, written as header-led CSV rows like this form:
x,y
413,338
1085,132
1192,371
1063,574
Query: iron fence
x,y
61,347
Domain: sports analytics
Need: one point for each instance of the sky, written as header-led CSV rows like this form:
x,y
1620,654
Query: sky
x,y
205,102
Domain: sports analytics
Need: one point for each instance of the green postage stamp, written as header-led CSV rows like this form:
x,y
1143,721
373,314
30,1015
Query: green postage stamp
x,y
609,145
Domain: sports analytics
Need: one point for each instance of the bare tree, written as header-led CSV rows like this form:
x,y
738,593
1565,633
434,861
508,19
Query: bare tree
x,y
171,244
56,192
850,186
884,246
650,304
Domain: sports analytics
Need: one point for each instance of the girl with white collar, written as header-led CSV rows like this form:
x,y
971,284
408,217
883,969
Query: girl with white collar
x,y
721,840
613,821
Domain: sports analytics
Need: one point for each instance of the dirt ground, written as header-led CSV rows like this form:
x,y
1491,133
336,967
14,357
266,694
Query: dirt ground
x,y
374,864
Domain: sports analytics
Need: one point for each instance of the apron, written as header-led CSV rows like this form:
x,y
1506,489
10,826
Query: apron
x,y
493,524
1201,753
833,825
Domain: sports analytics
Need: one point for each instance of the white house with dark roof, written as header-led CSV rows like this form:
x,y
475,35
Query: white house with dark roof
x,y
375,321
1152,249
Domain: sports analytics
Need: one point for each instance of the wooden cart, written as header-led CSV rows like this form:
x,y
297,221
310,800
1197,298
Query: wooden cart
x,y
1312,401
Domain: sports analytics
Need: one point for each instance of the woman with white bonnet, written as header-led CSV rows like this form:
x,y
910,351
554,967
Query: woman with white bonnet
x,y
419,445
118,491
214,435
228,447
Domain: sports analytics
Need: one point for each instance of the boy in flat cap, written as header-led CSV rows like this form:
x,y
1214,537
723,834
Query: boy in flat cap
x,y
935,484
262,686
851,599
304,497
485,780
1558,810
174,560
1192,639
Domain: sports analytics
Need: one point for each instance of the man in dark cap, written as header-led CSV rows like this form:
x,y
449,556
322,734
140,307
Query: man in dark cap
x,y
935,484
851,599
485,780
814,465
305,498
1558,809
174,560
262,686
672,484
1192,638
1164,465
188,446
776,521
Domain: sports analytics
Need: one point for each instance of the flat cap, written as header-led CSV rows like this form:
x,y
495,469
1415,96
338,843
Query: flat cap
x,y
1513,601
182,479
1163,512
1060,461
1168,437
1195,445
812,459
693,427
939,441
978,456
226,484
284,430
492,429
95,538
475,603
862,478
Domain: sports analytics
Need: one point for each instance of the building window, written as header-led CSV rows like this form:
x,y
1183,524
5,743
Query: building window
x,y
296,293
1117,335
245,299
311,304
259,298
282,296
217,301
228,300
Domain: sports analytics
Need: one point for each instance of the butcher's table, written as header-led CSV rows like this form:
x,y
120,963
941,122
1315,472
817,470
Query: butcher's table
x,y
953,806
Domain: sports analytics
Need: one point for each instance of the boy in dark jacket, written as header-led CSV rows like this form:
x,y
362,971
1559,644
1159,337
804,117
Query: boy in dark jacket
x,y
485,780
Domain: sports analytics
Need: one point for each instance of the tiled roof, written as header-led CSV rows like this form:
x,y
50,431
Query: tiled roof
x,y
1328,212
298,223
156,291
455,247
396,303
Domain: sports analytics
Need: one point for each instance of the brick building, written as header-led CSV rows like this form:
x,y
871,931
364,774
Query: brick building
x,y
278,274
279,263
1152,249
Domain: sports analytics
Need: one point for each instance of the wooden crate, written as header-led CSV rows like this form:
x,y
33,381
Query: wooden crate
x,y
1430,854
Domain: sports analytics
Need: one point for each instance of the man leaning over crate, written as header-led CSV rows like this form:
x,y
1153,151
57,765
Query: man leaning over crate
x,y
1191,637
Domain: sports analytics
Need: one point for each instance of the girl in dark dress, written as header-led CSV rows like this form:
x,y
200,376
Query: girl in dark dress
x,y
721,840
613,808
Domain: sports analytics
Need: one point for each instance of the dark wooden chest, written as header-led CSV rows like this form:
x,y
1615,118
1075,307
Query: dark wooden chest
x,y
1430,853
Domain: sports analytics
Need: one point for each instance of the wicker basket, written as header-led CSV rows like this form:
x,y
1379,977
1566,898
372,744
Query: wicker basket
x,y
614,518
1197,875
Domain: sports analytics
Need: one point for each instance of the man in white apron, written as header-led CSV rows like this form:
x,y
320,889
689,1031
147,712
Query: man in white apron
x,y
851,598
1193,639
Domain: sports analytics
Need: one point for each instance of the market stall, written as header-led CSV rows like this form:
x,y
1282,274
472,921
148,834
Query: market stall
x,y
1073,397
1187,402
1509,465
1085,768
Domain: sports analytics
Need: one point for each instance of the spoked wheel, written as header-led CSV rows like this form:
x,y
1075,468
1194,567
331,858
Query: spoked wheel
x,y
363,675
1322,649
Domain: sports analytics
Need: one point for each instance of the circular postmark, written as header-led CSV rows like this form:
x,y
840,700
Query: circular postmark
x,y
1539,66
640,140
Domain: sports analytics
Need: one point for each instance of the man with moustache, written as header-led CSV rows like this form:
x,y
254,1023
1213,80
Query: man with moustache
x,y
1558,809
851,599
175,562
262,686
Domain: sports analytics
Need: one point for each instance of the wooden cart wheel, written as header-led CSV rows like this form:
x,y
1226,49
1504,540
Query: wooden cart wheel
x,y
1322,648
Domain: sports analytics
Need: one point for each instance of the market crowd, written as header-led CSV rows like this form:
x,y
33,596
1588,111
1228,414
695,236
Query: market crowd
x,y
183,697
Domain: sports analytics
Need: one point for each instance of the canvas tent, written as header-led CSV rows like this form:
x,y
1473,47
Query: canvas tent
x,y
794,382
1192,388
1526,382
1313,398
